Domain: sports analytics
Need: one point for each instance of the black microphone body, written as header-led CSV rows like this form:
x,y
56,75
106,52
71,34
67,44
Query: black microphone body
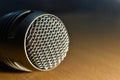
x,y
21,35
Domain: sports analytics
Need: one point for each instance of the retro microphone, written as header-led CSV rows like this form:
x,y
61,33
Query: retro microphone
x,y
32,40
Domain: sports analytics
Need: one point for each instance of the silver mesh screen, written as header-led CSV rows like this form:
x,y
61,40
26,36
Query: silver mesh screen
x,y
46,42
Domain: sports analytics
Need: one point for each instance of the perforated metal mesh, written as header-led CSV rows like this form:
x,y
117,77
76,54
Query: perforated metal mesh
x,y
46,42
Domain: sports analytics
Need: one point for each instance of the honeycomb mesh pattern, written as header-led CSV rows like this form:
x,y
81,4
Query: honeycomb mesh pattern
x,y
47,42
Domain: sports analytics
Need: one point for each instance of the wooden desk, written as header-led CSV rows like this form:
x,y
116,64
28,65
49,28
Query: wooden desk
x,y
90,57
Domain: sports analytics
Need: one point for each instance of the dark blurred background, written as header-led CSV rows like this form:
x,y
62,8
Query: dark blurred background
x,y
94,16
62,6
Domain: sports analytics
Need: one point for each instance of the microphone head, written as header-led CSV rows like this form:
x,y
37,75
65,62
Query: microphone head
x,y
34,40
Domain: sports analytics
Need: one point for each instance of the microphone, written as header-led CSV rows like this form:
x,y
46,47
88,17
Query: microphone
x,y
32,40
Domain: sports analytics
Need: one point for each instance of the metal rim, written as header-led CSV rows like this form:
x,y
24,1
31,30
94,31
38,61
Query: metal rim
x,y
25,43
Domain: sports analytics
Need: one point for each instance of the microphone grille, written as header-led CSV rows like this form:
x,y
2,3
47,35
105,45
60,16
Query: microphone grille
x,y
46,42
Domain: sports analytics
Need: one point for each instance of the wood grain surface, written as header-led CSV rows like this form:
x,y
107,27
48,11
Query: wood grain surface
x,y
90,57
